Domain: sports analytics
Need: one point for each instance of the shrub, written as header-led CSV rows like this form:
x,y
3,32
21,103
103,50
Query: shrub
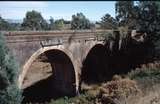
x,y
119,87
146,76
9,91
81,99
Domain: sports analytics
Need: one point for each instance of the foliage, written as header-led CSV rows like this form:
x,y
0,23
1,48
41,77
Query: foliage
x,y
12,95
143,17
110,35
148,15
108,22
4,25
125,13
149,73
128,14
15,26
79,21
107,92
81,99
51,25
9,91
150,24
67,22
123,31
147,77
34,21
59,24
119,87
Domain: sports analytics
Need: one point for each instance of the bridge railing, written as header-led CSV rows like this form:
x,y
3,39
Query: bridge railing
x,y
30,36
55,32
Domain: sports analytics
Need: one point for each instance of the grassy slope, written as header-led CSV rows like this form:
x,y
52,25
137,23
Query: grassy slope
x,y
143,88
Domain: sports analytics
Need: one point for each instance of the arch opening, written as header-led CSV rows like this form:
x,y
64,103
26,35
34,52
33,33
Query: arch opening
x,y
50,76
95,68
102,63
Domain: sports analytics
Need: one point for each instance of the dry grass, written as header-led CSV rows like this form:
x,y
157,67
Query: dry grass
x,y
141,86
38,71
118,90
148,80
150,97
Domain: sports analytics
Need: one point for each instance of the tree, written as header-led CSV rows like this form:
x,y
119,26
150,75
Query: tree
x,y
67,22
79,21
34,21
158,4
15,26
59,24
148,18
108,22
9,91
7,26
125,13
143,17
4,25
150,22
51,25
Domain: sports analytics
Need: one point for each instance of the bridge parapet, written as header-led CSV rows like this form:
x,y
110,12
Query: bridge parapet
x,y
29,36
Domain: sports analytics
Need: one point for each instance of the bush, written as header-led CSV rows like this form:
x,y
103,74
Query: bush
x,y
82,99
120,87
117,90
146,76
9,91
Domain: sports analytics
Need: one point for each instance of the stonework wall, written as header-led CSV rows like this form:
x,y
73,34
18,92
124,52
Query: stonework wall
x,y
26,47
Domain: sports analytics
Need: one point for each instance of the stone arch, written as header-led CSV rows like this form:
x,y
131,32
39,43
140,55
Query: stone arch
x,y
94,63
60,48
90,45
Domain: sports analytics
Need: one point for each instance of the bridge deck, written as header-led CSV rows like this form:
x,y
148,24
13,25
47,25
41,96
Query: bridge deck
x,y
29,36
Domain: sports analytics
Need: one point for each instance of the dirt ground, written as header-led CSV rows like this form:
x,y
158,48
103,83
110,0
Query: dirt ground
x,y
38,71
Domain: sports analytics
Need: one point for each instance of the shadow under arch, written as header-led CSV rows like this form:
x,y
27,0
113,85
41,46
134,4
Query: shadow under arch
x,y
62,81
95,68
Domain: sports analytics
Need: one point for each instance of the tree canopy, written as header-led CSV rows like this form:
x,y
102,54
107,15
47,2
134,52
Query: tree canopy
x,y
34,21
143,17
79,21
125,13
59,24
5,25
108,22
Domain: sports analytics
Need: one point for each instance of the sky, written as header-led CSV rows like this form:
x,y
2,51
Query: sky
x,y
93,10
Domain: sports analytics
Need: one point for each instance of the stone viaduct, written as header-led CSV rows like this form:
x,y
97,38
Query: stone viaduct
x,y
66,49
